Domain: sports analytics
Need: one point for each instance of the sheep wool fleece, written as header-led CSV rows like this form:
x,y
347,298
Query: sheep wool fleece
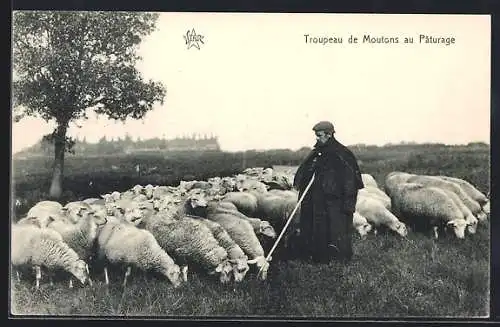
x,y
327,209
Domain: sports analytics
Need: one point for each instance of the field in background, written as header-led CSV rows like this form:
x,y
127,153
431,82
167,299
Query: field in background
x,y
389,277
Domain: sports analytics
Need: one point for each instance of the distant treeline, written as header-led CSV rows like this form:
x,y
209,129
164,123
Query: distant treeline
x,y
199,143
128,145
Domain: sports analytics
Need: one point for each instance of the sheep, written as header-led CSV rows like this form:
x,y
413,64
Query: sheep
x,y
361,225
260,227
377,194
43,247
43,210
82,235
393,179
242,232
189,240
429,205
427,180
244,201
473,192
236,256
378,215
469,218
75,210
368,180
122,242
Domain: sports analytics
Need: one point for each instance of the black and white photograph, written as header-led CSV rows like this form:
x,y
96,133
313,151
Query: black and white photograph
x,y
250,165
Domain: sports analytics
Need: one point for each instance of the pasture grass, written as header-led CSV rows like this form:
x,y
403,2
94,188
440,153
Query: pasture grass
x,y
388,277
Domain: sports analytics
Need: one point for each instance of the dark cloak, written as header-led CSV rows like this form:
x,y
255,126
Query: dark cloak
x,y
327,209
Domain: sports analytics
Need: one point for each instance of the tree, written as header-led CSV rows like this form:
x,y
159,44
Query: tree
x,y
66,63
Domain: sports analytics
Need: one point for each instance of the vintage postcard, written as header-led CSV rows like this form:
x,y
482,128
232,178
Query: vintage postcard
x,y
250,165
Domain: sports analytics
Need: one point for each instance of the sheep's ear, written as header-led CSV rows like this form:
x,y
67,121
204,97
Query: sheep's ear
x,y
218,268
252,261
451,223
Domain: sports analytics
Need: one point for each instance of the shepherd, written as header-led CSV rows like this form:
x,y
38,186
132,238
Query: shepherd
x,y
327,209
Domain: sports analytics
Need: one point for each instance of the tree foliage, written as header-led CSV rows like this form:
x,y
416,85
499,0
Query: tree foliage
x,y
67,62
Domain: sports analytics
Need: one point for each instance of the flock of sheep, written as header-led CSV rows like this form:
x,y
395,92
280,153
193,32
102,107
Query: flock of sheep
x,y
221,226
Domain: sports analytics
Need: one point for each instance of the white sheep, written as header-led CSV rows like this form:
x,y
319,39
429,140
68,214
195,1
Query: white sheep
x,y
189,241
260,227
120,242
469,218
395,178
368,180
236,256
378,215
427,180
473,192
377,194
361,225
80,236
428,205
43,247
43,210
242,232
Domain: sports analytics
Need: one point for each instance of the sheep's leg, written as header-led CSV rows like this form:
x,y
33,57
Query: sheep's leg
x,y
38,276
51,281
18,276
88,274
127,273
106,278
435,229
70,282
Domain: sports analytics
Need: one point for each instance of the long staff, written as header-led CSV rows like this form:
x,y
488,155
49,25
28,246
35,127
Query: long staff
x,y
287,223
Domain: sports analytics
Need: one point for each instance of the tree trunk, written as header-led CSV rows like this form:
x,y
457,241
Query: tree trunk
x,y
58,170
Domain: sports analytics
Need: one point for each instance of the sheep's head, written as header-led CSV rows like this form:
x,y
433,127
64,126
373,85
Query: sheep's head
x,y
80,270
486,208
363,229
262,265
400,229
458,226
223,269
266,229
482,216
149,190
137,189
176,275
240,268
250,185
471,224
197,199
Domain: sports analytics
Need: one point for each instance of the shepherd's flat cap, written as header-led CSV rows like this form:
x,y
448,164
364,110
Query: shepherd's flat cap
x,y
324,126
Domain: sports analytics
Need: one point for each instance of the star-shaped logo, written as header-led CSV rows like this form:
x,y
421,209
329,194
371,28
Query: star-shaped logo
x,y
193,40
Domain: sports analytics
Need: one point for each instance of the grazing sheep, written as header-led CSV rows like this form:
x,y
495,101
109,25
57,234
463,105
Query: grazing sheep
x,y
430,206
393,179
43,247
368,180
378,215
473,192
245,202
361,225
189,241
260,227
242,232
376,193
427,180
469,218
236,256
123,243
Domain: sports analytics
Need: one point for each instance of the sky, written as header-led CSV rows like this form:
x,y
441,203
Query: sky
x,y
257,84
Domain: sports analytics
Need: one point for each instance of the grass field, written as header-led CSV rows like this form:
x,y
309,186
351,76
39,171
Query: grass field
x,y
389,276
